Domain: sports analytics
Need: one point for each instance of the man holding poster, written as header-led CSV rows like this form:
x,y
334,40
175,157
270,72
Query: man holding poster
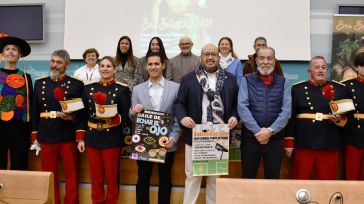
x,y
157,94
206,96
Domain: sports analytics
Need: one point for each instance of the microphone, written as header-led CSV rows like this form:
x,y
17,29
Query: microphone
x,y
303,196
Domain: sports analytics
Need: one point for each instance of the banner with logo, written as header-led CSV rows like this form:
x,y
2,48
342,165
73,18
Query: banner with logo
x,y
210,149
347,41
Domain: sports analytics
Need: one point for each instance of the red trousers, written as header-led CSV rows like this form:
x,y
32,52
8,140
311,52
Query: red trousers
x,y
104,161
49,158
354,163
325,162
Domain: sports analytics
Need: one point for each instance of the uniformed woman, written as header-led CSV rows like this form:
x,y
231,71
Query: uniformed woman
x,y
106,103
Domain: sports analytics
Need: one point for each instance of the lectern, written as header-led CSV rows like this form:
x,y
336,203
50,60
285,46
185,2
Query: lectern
x,y
26,187
265,191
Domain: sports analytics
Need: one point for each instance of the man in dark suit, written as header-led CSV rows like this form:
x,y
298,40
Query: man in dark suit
x,y
156,94
208,95
54,129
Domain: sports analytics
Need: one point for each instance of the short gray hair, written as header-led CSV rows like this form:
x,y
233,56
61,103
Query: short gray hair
x,y
316,58
267,48
63,54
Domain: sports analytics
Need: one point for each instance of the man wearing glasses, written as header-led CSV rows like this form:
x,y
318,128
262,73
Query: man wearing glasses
x,y
207,95
183,63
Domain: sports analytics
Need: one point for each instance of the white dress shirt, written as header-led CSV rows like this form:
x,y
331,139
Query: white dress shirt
x,y
87,75
155,93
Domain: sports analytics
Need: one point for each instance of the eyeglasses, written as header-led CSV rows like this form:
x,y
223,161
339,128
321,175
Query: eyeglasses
x,y
210,54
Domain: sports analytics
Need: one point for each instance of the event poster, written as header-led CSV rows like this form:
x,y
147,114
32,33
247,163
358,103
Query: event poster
x,y
210,149
347,42
126,142
234,144
150,136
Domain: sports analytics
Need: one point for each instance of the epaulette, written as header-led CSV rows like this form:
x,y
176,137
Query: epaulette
x,y
42,77
346,80
336,82
122,84
300,82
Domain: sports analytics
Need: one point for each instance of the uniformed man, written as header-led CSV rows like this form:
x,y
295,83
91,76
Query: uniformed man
x,y
354,131
316,131
54,129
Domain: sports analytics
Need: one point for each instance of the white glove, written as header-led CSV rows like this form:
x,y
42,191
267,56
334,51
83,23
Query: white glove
x,y
35,146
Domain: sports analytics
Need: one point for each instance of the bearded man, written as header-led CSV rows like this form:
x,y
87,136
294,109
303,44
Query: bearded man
x,y
264,106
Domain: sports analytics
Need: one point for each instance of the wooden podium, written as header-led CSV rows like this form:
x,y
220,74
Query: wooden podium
x,y
26,187
261,191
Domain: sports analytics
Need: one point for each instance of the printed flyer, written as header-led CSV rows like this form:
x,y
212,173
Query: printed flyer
x,y
151,133
210,149
127,142
234,145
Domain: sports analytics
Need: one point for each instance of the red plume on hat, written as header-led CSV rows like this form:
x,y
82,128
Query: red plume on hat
x,y
59,93
328,91
3,35
99,97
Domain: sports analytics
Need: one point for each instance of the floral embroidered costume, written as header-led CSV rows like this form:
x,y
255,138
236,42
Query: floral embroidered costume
x,y
15,96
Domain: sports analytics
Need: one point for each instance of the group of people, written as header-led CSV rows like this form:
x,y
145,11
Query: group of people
x,y
88,114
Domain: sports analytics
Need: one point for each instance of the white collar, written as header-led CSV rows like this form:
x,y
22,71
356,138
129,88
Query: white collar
x,y
161,83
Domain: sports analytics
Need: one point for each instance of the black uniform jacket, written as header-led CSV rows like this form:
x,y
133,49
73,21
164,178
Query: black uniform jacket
x,y
116,94
55,130
354,130
311,133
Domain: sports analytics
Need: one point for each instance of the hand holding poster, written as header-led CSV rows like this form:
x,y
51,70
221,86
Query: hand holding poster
x,y
210,149
234,144
151,133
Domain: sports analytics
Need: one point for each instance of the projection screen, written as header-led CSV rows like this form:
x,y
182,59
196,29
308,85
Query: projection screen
x,y
99,24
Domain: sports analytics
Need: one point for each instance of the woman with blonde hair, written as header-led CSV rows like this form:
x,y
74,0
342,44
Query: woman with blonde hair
x,y
228,59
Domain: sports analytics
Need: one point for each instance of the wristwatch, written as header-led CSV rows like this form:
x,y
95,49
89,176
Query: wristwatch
x,y
272,131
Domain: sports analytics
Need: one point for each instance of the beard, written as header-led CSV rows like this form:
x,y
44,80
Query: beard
x,y
55,74
265,72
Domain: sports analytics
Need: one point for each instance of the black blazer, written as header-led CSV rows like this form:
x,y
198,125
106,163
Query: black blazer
x,y
189,101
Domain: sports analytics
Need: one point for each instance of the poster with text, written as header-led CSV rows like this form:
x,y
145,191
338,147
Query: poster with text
x,y
347,42
150,136
127,141
234,144
210,149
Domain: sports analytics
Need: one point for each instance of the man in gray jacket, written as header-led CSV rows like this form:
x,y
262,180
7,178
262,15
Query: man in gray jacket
x,y
156,94
183,63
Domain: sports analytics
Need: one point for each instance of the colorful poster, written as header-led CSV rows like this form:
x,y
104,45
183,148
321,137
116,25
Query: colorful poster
x,y
151,133
210,149
347,41
234,144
